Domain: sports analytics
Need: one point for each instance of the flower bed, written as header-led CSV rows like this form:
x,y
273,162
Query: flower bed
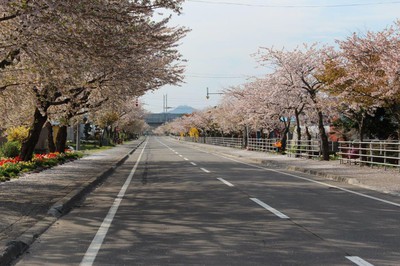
x,y
12,167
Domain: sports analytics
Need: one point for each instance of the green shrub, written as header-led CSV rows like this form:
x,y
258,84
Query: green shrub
x,y
10,170
27,166
50,162
73,155
3,178
10,149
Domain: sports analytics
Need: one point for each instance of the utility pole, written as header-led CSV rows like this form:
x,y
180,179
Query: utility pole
x,y
165,107
208,93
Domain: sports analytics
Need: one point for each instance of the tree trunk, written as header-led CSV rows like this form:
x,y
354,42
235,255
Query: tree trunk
x,y
61,139
28,146
245,137
361,128
284,137
50,137
298,144
309,138
324,137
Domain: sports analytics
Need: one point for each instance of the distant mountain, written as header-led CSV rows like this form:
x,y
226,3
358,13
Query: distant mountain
x,y
182,109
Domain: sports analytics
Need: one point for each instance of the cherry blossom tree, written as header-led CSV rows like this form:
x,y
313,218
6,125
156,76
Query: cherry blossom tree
x,y
303,67
57,47
366,75
273,100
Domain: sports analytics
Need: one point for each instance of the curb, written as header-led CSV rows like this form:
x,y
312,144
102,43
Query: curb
x,y
17,247
338,178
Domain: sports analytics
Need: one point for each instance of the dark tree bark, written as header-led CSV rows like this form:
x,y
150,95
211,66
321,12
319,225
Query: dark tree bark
x,y
324,137
245,137
298,130
48,96
284,137
308,143
61,139
50,137
28,146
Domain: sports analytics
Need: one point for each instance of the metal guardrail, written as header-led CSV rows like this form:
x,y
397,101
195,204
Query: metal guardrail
x,y
221,141
382,153
218,141
310,149
263,145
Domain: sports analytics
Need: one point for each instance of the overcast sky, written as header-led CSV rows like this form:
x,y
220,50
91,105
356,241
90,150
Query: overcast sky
x,y
225,33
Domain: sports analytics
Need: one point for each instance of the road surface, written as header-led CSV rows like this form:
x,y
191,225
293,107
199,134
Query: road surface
x,y
172,204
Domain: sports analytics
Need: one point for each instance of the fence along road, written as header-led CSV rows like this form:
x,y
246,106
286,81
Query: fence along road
x,y
185,206
385,154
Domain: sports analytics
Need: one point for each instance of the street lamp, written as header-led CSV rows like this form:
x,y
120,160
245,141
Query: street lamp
x,y
208,93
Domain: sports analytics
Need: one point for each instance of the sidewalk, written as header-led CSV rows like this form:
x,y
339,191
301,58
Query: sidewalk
x,y
378,179
30,204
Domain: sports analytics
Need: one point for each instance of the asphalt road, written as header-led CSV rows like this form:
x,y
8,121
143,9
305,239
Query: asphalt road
x,y
170,204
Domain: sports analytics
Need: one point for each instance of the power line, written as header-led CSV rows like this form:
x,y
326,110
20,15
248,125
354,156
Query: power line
x,y
216,77
219,76
294,6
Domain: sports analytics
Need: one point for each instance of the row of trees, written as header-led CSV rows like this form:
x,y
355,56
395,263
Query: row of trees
x,y
62,59
314,85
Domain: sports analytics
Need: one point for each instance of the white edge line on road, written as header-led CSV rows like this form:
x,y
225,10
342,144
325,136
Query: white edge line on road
x,y
193,163
314,181
97,241
205,170
269,208
359,261
225,182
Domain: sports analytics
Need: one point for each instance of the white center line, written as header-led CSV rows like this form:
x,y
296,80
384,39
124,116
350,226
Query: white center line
x,y
266,206
205,170
359,261
225,182
193,163
97,241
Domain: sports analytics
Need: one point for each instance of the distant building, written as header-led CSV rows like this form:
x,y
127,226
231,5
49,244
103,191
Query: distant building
x,y
156,120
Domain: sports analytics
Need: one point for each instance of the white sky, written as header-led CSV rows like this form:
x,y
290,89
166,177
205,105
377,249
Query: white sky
x,y
225,33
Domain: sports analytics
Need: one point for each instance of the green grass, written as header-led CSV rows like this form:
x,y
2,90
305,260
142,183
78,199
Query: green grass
x,y
90,148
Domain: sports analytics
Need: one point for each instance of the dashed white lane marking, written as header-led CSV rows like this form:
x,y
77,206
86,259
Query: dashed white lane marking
x,y
269,208
359,261
180,155
193,163
186,159
311,180
205,170
97,241
225,182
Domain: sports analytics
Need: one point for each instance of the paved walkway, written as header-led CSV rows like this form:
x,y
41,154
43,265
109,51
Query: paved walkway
x,y
30,204
378,179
